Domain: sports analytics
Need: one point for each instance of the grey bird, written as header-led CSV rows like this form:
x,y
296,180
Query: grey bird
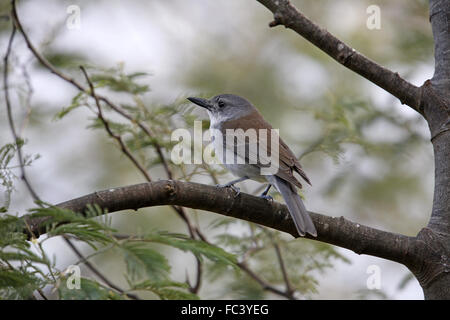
x,y
231,112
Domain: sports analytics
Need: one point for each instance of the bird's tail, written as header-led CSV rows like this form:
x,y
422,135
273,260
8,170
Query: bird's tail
x,y
297,209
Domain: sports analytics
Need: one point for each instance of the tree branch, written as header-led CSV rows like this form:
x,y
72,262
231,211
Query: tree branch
x,y
116,137
286,14
17,139
440,19
289,290
263,283
436,106
437,109
337,231
81,88
193,231
422,254
429,251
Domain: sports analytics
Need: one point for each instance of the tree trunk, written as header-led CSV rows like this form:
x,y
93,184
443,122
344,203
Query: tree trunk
x,y
426,255
434,276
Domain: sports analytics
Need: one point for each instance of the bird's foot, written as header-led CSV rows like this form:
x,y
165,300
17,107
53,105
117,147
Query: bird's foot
x,y
230,185
267,197
264,194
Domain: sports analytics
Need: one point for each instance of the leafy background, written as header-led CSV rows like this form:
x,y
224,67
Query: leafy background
x,y
369,157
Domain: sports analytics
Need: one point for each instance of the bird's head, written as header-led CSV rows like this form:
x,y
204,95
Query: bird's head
x,y
224,106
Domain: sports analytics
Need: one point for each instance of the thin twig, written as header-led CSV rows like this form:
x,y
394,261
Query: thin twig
x,y
17,139
289,290
80,87
193,231
116,137
244,267
181,212
21,162
30,92
41,293
195,288
96,271
264,284
286,14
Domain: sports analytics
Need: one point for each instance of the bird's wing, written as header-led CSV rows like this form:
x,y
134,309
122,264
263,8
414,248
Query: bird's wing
x,y
292,162
260,156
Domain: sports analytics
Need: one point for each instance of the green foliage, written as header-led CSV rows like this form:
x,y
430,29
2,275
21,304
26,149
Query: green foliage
x,y
78,100
407,278
139,259
91,290
9,232
243,287
346,121
304,260
8,170
342,120
117,80
20,272
64,59
5,8
144,262
163,118
62,221
199,248
147,269
17,284
166,290
366,294
6,175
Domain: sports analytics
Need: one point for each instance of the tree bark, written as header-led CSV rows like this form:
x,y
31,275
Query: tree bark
x,y
434,276
426,255
431,247
334,230
410,251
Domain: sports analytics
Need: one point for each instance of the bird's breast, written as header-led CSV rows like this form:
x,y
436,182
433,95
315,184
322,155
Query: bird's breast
x,y
237,164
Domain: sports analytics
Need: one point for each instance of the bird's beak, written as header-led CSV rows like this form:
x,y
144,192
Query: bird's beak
x,y
205,103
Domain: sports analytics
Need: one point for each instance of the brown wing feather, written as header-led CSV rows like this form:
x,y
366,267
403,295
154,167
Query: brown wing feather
x,y
287,160
294,163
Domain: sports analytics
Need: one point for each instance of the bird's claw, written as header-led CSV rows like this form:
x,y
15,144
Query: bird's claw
x,y
267,197
232,186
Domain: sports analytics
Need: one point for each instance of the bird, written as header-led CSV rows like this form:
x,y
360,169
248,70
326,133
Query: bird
x,y
228,114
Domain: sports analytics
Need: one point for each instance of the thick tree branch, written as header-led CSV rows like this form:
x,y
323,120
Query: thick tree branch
x,y
436,106
426,255
333,230
437,110
338,231
286,14
440,21
431,246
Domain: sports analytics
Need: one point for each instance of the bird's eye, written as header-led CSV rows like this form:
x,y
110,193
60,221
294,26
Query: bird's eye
x,y
221,103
